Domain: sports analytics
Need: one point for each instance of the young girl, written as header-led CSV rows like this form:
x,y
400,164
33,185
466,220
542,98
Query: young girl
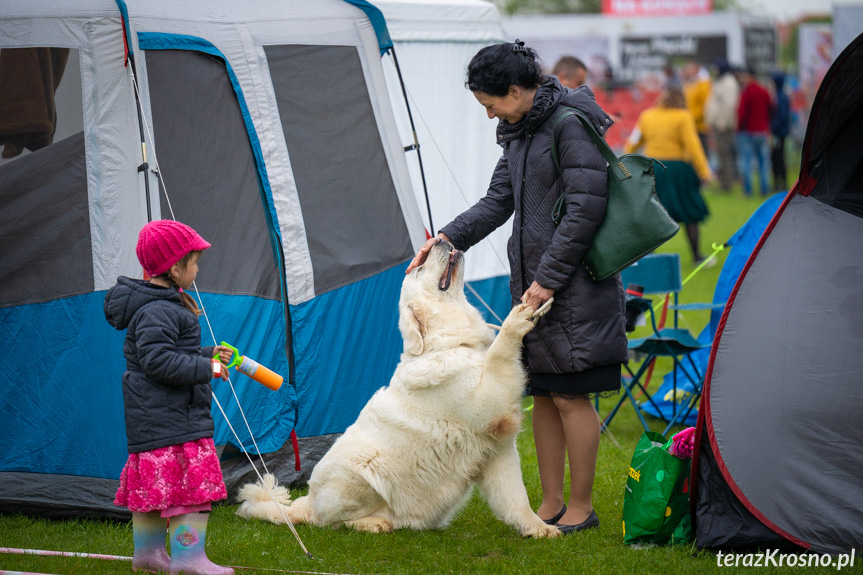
x,y
173,471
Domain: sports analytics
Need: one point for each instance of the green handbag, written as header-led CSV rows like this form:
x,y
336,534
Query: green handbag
x,y
635,222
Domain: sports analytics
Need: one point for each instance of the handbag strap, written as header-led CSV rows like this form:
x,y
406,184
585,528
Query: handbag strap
x,y
566,111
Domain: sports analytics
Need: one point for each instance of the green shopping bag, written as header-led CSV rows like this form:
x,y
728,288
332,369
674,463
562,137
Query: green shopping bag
x,y
656,500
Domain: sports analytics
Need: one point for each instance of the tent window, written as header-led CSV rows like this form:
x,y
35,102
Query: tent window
x,y
209,170
43,177
353,219
840,167
835,159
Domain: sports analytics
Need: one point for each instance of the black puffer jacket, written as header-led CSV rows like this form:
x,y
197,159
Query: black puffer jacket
x,y
585,327
166,386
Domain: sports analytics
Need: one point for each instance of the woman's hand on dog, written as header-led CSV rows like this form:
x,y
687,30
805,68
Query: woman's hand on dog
x,y
423,254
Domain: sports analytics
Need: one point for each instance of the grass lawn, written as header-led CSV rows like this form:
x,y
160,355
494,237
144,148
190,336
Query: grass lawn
x,y
476,542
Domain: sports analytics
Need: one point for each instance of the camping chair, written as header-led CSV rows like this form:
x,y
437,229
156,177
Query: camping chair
x,y
660,274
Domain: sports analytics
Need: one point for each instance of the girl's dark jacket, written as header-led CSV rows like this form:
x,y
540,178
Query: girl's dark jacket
x,y
585,327
166,386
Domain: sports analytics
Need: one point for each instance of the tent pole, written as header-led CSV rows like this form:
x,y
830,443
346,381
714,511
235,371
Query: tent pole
x,y
129,60
144,167
416,144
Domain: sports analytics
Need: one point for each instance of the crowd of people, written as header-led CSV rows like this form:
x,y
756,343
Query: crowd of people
x,y
749,120
723,125
742,119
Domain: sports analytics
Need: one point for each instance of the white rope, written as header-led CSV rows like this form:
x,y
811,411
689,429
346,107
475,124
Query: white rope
x,y
233,391
156,169
279,506
100,556
158,173
482,301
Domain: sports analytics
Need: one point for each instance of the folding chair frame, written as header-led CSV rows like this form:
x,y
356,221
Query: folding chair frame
x,y
662,343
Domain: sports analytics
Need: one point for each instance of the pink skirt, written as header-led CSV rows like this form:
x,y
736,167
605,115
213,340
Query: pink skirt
x,y
172,476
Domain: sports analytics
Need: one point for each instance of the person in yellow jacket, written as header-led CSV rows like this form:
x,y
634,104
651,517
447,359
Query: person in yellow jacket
x,y
696,87
667,133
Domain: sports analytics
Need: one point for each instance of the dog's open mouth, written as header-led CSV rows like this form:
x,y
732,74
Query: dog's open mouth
x,y
446,277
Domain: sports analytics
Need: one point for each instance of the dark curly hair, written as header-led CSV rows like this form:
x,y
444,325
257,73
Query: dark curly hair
x,y
497,67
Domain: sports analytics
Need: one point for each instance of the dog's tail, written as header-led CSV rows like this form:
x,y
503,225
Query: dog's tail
x,y
265,500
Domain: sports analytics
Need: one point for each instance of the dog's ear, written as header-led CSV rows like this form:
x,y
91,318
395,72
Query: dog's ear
x,y
412,326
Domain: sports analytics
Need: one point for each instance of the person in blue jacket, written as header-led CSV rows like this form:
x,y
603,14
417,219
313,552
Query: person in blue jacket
x,y
172,473
780,128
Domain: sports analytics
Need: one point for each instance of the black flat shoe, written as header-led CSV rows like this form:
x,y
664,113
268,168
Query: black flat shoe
x,y
591,521
556,518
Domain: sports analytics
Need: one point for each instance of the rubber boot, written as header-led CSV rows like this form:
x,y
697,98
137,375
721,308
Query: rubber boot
x,y
188,541
148,532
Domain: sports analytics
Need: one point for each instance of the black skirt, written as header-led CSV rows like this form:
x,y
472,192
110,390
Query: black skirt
x,y
679,191
597,381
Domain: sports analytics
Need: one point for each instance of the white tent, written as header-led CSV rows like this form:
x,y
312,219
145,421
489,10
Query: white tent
x,y
434,41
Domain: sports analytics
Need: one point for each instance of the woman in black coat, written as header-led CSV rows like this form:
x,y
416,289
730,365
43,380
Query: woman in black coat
x,y
577,348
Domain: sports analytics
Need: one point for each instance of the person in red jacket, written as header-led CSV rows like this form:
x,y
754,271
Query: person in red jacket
x,y
753,131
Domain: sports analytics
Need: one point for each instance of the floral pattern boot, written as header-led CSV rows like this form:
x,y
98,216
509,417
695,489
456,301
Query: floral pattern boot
x,y
188,542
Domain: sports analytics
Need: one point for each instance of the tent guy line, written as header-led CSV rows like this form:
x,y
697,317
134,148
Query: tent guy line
x,y
416,145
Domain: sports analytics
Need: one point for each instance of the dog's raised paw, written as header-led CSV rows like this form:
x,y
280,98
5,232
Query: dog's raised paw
x,y
519,321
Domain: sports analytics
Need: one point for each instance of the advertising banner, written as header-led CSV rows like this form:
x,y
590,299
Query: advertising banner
x,y
656,7
759,48
643,58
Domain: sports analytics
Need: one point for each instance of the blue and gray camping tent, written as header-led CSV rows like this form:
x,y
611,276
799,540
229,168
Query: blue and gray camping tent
x,y
266,126
779,438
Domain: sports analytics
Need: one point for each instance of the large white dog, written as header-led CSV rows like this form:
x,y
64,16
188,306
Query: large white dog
x,y
447,421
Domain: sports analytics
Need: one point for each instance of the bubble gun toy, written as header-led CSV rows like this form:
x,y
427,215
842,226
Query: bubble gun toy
x,y
253,369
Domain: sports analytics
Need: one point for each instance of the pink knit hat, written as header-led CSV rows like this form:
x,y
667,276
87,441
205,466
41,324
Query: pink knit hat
x,y
163,243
